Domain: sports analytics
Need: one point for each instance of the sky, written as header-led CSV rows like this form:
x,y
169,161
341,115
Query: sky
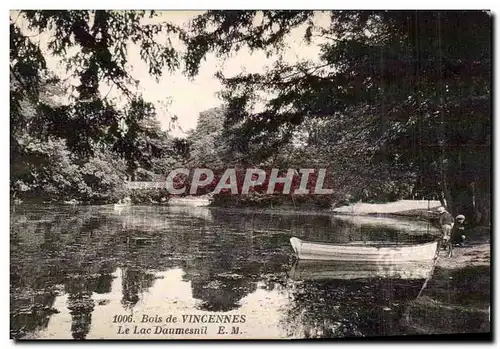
x,y
174,93
189,98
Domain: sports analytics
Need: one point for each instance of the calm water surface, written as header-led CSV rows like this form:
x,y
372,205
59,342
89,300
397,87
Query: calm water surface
x,y
79,272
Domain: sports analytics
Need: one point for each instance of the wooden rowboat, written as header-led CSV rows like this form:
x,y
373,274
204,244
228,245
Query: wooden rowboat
x,y
362,252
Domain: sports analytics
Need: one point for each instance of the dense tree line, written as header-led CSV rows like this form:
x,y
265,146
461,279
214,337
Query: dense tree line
x,y
68,140
396,105
394,98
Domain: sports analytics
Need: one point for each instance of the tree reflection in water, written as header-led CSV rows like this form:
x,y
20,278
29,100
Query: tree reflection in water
x,y
80,306
440,311
348,308
227,257
104,278
222,294
50,254
134,282
216,279
33,311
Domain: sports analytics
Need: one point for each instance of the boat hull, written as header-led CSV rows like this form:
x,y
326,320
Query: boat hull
x,y
362,253
341,270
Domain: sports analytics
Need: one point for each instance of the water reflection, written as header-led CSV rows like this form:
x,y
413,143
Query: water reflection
x,y
321,270
73,268
353,308
135,281
444,307
80,305
32,312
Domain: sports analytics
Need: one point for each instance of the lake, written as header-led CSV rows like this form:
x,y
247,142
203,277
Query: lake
x,y
90,272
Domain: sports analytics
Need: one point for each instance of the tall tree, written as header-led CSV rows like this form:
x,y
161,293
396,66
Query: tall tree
x,y
63,149
203,149
417,81
93,46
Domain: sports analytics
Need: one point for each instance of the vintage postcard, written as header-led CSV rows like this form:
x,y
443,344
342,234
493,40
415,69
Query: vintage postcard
x,y
250,174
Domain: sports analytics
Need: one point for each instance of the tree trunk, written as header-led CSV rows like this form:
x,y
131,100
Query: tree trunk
x,y
469,188
483,207
131,172
446,197
472,201
462,201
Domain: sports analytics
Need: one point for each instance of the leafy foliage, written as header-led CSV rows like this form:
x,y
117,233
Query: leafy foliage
x,y
406,93
396,104
83,146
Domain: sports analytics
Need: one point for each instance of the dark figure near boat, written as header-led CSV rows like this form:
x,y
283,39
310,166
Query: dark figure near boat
x,y
458,233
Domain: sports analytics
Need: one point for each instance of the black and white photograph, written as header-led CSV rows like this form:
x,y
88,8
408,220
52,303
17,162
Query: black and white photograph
x,y
250,174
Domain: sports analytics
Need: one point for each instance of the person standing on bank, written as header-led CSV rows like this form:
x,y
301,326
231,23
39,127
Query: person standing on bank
x,y
446,223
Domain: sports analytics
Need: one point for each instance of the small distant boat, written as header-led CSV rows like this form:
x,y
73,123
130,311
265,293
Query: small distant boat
x,y
120,206
71,202
127,202
365,252
335,270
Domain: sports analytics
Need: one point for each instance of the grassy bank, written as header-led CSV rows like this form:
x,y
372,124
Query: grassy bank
x,y
473,255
